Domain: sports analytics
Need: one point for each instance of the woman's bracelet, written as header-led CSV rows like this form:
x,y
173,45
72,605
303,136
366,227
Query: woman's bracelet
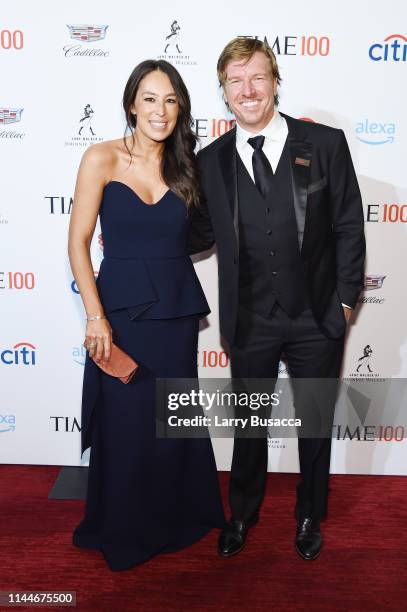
x,y
95,317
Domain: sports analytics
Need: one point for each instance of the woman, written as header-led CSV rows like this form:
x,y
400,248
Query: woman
x,y
145,495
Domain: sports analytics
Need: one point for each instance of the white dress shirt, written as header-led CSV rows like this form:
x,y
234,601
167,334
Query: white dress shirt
x,y
275,133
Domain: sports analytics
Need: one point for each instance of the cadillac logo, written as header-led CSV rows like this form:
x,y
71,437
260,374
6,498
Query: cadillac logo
x,y
373,281
87,33
10,115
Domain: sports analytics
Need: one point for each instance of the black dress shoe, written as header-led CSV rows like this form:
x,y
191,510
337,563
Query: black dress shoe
x,y
233,537
308,540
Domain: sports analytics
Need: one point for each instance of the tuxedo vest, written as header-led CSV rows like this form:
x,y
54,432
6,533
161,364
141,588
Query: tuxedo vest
x,y
270,266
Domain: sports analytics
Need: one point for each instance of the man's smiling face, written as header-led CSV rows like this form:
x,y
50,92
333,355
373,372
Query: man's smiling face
x,y
249,91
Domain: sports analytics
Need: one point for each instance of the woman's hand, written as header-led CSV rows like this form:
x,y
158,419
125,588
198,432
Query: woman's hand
x,y
99,339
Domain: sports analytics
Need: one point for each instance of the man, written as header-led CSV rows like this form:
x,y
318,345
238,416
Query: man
x,y
282,203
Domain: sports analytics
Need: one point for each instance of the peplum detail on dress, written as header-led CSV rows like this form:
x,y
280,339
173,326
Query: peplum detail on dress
x,y
151,288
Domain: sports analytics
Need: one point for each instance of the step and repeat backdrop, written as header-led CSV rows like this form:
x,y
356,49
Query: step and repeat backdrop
x,y
63,68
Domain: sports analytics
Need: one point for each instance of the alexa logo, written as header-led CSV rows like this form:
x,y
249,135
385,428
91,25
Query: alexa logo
x,y
21,354
7,423
375,132
85,33
392,49
79,354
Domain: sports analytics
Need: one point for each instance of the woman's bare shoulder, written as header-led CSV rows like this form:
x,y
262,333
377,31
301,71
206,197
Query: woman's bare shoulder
x,y
108,155
102,153
105,159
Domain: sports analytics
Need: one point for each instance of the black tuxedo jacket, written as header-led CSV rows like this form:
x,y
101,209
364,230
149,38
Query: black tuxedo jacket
x,y
329,215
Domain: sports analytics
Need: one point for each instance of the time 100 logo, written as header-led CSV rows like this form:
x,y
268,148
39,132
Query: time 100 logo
x,y
213,359
17,280
11,40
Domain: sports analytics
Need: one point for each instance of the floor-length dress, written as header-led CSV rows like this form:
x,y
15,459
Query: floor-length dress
x,y
145,495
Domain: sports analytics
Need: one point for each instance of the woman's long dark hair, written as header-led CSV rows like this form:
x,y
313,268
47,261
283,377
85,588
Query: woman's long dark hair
x,y
179,168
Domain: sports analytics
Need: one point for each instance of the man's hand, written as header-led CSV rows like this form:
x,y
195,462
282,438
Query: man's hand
x,y
348,313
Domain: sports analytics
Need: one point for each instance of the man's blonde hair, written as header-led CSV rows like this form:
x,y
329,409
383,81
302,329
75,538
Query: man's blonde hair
x,y
243,49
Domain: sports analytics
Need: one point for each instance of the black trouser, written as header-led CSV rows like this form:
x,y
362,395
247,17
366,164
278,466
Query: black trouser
x,y
256,353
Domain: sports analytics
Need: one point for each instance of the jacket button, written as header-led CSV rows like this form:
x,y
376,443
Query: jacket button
x,y
274,273
269,232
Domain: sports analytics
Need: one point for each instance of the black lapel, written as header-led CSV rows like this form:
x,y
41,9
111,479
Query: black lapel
x,y
227,160
301,156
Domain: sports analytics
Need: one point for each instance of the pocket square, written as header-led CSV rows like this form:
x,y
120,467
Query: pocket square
x,y
317,185
302,162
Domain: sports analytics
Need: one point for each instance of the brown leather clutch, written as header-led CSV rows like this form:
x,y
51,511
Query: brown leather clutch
x,y
120,365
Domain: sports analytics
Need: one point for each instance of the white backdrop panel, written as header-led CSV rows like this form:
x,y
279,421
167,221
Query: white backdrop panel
x,y
48,78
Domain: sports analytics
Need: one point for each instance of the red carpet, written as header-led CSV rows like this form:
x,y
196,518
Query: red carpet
x,y
363,565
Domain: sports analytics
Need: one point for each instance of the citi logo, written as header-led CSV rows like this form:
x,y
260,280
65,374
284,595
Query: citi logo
x,y
392,49
375,133
74,286
7,422
22,353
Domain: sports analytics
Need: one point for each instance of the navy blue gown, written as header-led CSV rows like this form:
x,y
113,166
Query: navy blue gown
x,y
145,495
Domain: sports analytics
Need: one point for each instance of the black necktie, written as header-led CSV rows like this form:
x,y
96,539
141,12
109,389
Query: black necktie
x,y
261,166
